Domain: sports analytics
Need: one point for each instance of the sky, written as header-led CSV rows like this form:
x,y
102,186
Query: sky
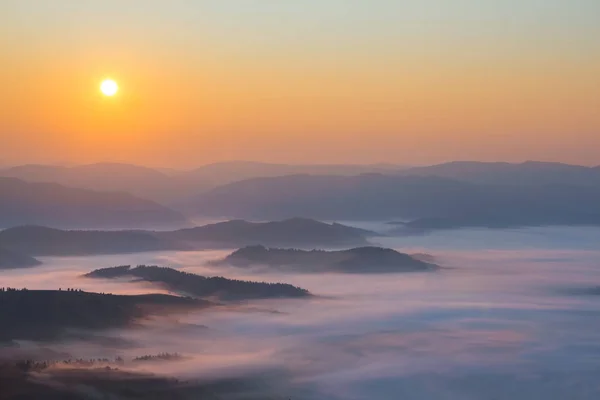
x,y
312,81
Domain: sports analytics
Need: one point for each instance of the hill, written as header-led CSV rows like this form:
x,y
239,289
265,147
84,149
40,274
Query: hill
x,y
13,260
49,314
383,197
23,203
297,232
358,260
201,286
38,241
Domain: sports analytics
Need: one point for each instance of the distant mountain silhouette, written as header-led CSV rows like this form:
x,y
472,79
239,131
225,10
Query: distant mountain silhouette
x,y
172,186
201,286
42,241
144,182
501,173
175,187
13,260
296,232
381,197
357,260
23,203
222,173
48,314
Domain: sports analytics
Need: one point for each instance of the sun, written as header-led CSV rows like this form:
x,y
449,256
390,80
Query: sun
x,y
108,87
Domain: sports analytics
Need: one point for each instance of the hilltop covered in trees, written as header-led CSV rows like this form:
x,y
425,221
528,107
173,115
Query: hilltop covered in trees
x,y
358,260
201,286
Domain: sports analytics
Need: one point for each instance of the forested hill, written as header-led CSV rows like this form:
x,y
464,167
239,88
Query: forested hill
x,y
201,286
357,260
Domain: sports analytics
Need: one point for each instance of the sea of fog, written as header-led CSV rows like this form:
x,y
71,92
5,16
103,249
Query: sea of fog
x,y
513,315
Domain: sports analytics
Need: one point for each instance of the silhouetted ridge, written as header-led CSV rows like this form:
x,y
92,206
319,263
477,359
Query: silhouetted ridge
x,y
81,380
172,186
38,240
201,286
297,232
357,260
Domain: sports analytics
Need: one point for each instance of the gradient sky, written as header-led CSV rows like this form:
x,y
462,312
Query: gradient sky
x,y
312,81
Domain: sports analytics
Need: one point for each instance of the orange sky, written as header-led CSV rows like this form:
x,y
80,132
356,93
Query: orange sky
x,y
192,93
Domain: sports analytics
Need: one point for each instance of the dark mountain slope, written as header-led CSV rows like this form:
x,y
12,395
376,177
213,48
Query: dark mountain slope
x,y
47,314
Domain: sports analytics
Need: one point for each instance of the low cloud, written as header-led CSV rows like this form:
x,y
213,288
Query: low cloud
x,y
488,325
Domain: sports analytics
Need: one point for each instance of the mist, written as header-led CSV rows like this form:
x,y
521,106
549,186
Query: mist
x,y
502,317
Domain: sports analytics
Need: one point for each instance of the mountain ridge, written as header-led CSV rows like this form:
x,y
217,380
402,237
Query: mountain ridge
x,y
23,203
410,197
44,241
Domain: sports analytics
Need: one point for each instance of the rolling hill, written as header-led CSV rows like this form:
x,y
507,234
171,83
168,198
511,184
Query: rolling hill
x,y
297,232
357,260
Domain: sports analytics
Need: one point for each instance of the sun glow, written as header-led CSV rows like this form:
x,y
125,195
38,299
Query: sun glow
x,y
109,87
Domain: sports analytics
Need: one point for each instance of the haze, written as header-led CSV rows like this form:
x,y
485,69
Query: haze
x,y
333,81
501,322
